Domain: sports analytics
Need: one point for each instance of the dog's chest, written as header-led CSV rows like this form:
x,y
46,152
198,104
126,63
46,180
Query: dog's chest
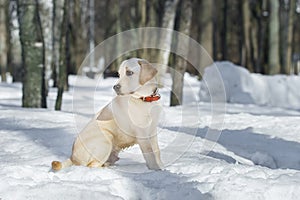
x,y
123,140
121,137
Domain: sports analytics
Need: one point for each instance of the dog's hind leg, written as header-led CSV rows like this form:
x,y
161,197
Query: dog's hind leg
x,y
94,164
113,157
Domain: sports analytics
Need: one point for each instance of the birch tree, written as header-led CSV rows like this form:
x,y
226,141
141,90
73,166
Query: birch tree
x,y
31,38
180,63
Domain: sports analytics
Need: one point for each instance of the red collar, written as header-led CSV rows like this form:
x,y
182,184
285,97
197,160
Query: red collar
x,y
153,97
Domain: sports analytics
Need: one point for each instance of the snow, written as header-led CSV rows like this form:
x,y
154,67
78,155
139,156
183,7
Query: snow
x,y
244,87
256,156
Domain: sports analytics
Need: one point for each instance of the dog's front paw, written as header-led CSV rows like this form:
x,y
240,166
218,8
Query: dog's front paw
x,y
155,166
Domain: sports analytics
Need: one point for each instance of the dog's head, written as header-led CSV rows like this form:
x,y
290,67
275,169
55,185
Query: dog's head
x,y
136,76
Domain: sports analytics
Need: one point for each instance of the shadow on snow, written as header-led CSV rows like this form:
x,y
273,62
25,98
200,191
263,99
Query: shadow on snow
x,y
252,146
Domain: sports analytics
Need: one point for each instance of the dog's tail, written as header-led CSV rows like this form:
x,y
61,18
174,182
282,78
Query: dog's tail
x,y
56,165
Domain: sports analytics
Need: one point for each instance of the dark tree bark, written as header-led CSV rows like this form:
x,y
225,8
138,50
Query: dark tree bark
x,y
3,39
166,38
31,37
274,62
233,31
181,63
246,50
224,30
14,57
62,57
207,26
217,30
296,45
78,24
151,20
195,33
288,40
91,37
9,60
259,35
56,29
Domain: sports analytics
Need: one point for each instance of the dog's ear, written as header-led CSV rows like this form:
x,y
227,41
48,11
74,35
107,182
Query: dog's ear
x,y
147,71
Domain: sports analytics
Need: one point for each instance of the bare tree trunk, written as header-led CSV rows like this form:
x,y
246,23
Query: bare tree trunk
x,y
233,33
9,40
166,38
44,80
260,48
45,16
206,29
62,57
195,33
91,38
143,8
274,62
246,50
224,30
296,37
295,44
180,63
288,64
15,48
149,19
31,37
217,30
255,36
255,42
56,29
117,12
68,52
79,31
207,26
3,39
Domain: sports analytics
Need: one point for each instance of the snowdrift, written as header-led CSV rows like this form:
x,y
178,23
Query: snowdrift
x,y
244,87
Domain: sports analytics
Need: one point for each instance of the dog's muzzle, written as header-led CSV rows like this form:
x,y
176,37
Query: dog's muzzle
x,y
117,88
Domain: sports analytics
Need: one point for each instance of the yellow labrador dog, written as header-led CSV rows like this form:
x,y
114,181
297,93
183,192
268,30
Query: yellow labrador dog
x,y
130,118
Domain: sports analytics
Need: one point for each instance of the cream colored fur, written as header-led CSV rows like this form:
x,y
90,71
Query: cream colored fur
x,y
125,121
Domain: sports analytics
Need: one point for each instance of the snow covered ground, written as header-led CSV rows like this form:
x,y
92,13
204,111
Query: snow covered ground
x,y
256,157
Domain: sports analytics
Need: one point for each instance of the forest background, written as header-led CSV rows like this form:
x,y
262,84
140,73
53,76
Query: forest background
x,y
42,40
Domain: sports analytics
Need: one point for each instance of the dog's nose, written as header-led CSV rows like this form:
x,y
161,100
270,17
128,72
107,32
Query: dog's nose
x,y
117,87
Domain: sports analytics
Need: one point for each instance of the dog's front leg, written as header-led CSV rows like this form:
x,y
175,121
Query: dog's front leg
x,y
151,152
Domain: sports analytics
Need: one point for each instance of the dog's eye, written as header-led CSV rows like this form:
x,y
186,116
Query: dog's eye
x,y
129,73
